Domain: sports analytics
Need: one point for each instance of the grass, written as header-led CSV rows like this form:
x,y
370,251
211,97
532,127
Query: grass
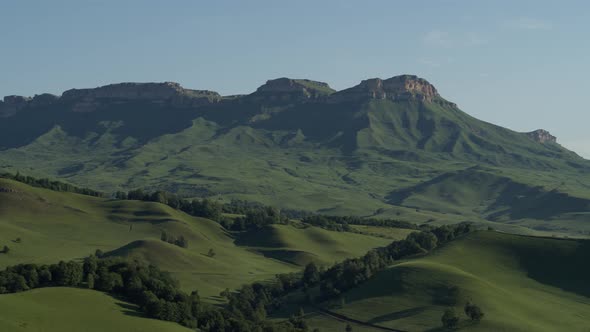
x,y
521,283
381,231
74,310
57,226
303,245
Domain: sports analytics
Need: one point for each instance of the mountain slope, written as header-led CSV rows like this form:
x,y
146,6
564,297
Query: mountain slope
x,y
297,144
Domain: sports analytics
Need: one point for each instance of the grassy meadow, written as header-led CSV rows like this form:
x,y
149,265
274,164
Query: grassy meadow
x,y
521,283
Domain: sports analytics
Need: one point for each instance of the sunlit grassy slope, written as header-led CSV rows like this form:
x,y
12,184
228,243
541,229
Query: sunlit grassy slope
x,y
303,245
57,226
521,283
74,310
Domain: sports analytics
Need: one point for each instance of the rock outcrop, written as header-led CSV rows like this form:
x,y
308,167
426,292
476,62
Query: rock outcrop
x,y
287,89
542,136
13,104
87,100
402,87
44,99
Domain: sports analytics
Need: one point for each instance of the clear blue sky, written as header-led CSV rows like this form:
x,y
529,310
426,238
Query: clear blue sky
x,y
520,64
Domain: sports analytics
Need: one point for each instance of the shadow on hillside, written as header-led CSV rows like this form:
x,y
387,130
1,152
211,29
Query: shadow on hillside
x,y
558,265
147,213
397,315
130,309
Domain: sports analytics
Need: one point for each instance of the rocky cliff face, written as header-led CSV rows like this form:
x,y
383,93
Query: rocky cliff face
x,y
135,91
402,87
88,100
542,136
286,89
13,104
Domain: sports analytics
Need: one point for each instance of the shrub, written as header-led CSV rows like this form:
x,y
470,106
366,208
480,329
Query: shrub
x,y
449,319
473,312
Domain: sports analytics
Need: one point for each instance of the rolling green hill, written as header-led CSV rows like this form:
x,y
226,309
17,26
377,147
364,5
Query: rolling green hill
x,y
74,310
56,226
391,147
310,244
521,283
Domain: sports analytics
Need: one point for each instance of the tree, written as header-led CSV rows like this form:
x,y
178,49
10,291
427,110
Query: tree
x,y
348,328
6,250
164,236
18,240
311,275
473,312
182,242
90,265
211,253
449,319
108,281
301,312
67,273
90,280
98,253
426,240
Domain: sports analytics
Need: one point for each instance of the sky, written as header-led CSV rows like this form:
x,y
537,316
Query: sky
x,y
523,65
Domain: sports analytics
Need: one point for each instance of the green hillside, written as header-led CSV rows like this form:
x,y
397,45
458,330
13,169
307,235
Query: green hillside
x,y
74,310
521,283
56,226
310,244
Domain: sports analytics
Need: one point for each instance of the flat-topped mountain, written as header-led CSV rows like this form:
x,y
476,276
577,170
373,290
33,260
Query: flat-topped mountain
x,y
398,87
87,100
382,147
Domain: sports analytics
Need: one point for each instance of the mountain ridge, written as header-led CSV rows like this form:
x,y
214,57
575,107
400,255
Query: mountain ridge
x,y
401,87
292,143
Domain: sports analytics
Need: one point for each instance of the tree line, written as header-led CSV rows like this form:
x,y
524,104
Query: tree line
x,y
342,223
255,215
156,293
255,300
51,184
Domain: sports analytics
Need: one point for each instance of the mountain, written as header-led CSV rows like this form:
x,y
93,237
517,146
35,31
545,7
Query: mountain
x,y
385,147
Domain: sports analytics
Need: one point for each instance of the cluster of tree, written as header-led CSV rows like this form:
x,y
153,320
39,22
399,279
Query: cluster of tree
x,y
342,223
5,250
180,241
258,218
236,206
450,319
52,185
28,276
328,223
154,291
205,208
254,215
